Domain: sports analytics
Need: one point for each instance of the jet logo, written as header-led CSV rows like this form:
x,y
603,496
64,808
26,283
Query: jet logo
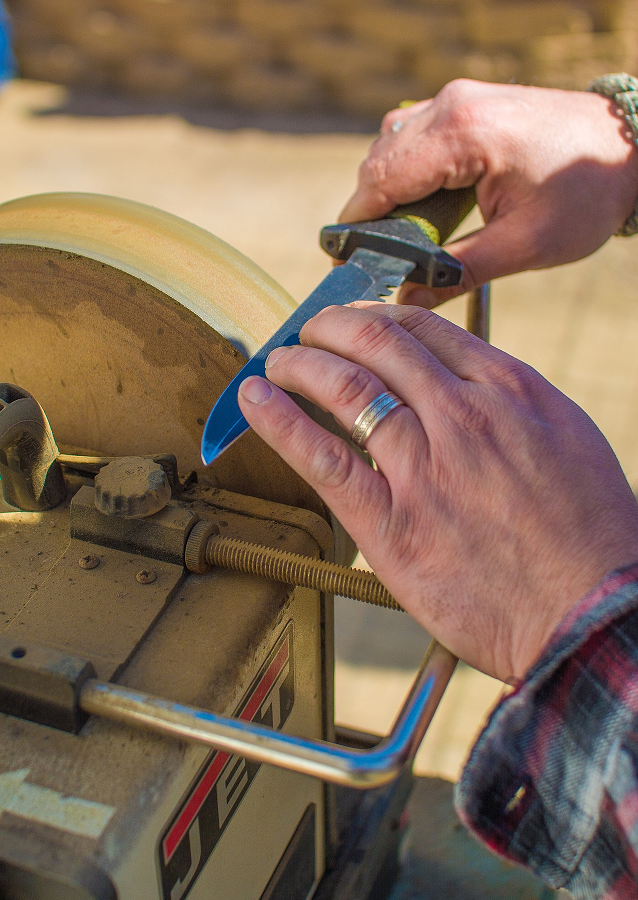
x,y
221,785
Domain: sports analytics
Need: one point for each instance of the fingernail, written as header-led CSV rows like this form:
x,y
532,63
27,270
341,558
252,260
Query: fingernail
x,y
274,355
255,389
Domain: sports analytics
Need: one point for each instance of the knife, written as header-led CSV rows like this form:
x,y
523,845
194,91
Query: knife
x,y
379,256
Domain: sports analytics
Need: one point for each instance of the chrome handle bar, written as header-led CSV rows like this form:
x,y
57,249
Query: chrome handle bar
x,y
330,762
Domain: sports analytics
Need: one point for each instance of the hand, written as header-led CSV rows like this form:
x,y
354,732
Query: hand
x,y
555,172
497,503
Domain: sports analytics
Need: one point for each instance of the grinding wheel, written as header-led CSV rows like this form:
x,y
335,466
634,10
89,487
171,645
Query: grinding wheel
x,y
126,323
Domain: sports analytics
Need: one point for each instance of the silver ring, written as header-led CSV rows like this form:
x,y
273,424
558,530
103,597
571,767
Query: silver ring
x,y
375,412
397,125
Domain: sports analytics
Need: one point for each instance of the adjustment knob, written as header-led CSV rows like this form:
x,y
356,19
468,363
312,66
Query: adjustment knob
x,y
131,487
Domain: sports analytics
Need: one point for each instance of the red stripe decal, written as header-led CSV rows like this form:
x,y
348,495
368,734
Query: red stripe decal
x,y
263,688
219,760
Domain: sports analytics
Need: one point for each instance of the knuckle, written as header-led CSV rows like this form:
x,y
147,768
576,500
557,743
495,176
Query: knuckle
x,y
396,530
472,419
288,425
410,317
374,171
374,336
519,378
450,91
460,109
462,116
423,323
350,384
330,463
456,91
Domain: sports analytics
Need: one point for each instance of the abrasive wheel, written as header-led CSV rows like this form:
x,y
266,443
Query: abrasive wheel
x,y
126,323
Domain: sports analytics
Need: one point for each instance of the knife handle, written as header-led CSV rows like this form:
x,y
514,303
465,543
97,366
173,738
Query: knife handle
x,y
414,233
439,214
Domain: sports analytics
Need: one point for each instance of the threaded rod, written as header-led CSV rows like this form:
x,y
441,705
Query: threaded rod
x,y
302,571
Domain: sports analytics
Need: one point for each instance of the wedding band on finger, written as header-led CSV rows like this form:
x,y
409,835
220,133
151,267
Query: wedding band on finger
x,y
375,412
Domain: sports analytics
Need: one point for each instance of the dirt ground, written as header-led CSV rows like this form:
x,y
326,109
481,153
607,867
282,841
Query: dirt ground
x,y
267,190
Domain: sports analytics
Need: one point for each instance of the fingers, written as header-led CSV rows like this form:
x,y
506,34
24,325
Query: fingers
x,y
396,118
514,242
384,347
412,294
511,242
344,481
465,355
367,203
371,200
415,353
393,173
345,389
528,180
434,147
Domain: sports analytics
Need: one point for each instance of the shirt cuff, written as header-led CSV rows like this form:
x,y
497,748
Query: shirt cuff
x,y
540,782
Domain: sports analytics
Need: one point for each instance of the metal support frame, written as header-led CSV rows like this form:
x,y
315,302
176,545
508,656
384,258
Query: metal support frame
x,y
330,762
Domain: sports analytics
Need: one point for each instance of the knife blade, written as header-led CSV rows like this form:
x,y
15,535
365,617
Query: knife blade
x,y
379,257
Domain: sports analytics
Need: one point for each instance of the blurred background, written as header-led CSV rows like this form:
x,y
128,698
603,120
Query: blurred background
x,y
250,117
356,57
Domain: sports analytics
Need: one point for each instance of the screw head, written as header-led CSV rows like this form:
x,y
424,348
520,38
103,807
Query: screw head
x,y
146,576
90,561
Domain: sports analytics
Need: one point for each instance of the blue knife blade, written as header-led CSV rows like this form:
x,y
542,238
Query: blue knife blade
x,y
368,275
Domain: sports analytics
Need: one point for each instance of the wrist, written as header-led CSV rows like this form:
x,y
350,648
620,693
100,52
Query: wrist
x,y
567,599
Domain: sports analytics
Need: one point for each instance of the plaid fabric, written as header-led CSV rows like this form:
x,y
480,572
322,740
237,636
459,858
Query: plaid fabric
x,y
552,781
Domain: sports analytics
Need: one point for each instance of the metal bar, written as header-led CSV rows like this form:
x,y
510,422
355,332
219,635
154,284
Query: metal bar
x,y
478,312
330,762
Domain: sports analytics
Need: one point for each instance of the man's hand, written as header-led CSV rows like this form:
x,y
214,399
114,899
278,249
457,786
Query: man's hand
x,y
556,174
496,503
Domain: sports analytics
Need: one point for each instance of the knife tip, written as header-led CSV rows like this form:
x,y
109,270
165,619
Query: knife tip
x,y
212,444
209,456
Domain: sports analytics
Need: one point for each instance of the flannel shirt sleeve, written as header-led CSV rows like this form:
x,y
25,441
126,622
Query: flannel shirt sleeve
x,y
552,782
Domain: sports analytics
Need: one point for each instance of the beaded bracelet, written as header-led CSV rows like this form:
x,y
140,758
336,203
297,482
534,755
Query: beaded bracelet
x,y
623,90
